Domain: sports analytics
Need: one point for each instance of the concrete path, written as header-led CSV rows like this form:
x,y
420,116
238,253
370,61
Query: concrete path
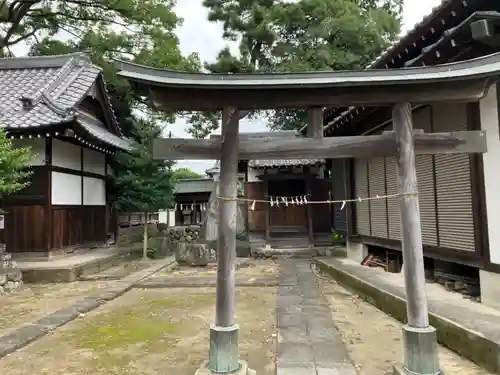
x,y
308,342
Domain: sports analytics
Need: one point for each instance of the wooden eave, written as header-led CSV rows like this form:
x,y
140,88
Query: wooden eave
x,y
461,81
452,44
447,14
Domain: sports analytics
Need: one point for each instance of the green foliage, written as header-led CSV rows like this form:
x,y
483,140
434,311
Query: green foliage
x,y
304,35
14,166
142,31
338,237
185,174
142,183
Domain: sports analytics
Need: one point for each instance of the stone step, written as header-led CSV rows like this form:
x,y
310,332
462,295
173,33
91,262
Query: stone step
x,y
297,252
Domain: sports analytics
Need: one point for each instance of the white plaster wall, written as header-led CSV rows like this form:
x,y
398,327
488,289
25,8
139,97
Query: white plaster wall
x,y
66,155
491,159
94,161
253,174
66,189
37,146
163,217
94,192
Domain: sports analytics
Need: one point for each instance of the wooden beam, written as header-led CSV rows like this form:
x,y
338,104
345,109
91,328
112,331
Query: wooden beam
x,y
335,148
261,135
314,131
226,244
420,340
411,238
267,209
196,99
309,211
315,122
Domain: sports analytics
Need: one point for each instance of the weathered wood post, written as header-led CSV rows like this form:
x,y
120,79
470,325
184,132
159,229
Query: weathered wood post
x,y
420,340
314,130
223,353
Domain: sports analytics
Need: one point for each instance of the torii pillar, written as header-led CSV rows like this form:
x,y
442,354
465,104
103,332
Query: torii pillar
x,y
420,339
223,357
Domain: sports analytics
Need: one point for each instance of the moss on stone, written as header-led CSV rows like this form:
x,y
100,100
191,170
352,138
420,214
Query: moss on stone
x,y
121,330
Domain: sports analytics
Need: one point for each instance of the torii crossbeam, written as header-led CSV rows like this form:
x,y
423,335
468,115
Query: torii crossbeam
x,y
231,93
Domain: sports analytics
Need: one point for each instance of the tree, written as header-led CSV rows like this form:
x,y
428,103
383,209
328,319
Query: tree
x,y
304,35
142,183
142,31
185,174
14,166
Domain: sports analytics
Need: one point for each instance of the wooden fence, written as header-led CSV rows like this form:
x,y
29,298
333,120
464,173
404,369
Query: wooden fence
x,y
135,219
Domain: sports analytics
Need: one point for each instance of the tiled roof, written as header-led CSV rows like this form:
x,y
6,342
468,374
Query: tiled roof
x,y
410,34
388,54
43,91
95,129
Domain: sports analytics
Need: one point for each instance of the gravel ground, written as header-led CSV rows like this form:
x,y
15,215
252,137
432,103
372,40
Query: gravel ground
x,y
374,339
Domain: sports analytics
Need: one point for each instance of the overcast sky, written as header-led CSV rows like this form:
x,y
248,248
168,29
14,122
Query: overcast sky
x,y
205,38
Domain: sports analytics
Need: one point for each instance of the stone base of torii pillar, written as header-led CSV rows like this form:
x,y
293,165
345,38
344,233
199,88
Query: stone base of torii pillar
x,y
243,370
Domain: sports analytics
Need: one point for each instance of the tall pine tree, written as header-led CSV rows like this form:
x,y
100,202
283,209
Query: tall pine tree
x,y
143,184
304,35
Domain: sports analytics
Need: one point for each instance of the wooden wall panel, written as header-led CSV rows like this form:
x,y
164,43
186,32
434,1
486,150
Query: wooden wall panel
x,y
321,212
24,229
66,224
94,228
256,217
78,225
288,216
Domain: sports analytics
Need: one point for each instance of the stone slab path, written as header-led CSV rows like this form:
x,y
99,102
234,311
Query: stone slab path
x,y
204,282
308,342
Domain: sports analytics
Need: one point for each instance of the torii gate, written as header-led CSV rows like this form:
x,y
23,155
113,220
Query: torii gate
x,y
235,94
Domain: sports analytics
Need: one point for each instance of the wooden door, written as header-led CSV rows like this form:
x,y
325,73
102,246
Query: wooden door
x,y
291,216
257,216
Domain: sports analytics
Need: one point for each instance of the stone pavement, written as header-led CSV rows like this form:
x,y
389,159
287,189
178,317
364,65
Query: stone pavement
x,y
204,282
308,342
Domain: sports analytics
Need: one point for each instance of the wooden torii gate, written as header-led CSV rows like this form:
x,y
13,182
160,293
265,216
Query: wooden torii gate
x,y
235,94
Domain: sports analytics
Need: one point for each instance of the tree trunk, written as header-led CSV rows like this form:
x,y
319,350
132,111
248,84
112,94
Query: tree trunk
x,y
145,237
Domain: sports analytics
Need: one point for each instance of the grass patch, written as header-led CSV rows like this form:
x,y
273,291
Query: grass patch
x,y
128,328
145,324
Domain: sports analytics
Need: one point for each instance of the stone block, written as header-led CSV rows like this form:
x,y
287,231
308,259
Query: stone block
x,y
296,369
340,368
401,370
223,353
242,370
356,251
292,352
421,351
10,276
192,254
242,249
330,352
490,288
20,338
